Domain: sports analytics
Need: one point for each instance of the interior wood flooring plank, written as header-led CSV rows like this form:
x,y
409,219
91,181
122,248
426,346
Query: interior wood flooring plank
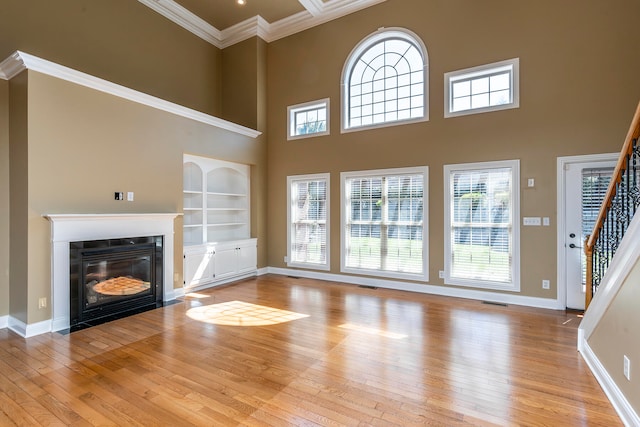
x,y
114,414
4,418
360,357
13,411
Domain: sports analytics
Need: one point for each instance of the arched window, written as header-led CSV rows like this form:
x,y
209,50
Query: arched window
x,y
385,81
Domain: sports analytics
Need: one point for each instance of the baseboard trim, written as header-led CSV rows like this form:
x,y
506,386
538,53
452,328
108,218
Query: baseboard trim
x,y
619,402
4,322
551,304
30,330
231,279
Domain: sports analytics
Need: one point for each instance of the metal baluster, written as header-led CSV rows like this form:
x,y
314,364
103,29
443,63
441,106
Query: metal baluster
x,y
636,185
627,198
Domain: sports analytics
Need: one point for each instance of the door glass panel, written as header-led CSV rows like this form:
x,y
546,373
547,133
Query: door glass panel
x,y
595,182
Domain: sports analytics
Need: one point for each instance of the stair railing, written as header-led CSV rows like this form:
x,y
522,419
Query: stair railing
x,y
620,204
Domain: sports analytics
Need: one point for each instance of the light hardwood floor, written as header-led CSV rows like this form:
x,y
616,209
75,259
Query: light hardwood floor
x,y
341,356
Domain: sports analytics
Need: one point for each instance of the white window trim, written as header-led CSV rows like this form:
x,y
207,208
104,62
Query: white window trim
x,y
515,167
371,39
424,170
452,76
292,109
310,177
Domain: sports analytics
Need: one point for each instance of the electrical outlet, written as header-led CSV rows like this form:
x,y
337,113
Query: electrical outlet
x,y
42,302
441,274
286,259
546,284
130,196
627,368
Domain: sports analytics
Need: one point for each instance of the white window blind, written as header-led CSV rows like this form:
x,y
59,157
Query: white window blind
x,y
384,225
481,246
308,221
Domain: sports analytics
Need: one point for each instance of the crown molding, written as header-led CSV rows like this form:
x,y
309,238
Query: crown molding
x,y
315,7
317,12
244,30
186,19
20,61
12,66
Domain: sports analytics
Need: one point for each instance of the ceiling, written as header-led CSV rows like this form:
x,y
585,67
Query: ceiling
x,y
225,22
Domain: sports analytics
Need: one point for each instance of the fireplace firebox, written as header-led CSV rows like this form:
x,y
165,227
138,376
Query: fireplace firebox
x,y
114,278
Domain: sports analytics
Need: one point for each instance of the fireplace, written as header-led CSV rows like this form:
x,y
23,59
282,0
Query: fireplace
x,y
113,278
68,228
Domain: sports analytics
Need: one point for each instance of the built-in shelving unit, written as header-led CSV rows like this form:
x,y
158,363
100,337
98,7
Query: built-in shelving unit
x,y
216,201
217,221
193,204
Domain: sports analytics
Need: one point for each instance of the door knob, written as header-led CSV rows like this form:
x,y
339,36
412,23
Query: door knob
x,y
572,246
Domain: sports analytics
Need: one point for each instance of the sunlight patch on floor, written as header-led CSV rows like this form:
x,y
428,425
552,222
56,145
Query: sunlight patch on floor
x,y
196,295
373,331
238,313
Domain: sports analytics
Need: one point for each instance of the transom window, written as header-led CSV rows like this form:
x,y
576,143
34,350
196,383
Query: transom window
x,y
308,119
480,89
481,225
384,226
385,81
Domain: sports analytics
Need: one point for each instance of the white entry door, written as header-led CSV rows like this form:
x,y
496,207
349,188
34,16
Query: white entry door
x,y
585,180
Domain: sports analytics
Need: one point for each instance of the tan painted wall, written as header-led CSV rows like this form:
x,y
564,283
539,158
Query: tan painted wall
x,y
578,91
4,197
122,41
84,145
19,197
617,335
240,89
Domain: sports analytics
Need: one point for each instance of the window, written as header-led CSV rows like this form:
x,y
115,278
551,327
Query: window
x,y
481,225
480,89
384,81
308,119
308,219
384,226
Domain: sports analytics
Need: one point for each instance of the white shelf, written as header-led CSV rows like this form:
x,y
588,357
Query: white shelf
x,y
214,193
216,198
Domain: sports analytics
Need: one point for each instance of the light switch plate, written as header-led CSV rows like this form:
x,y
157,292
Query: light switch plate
x,y
531,220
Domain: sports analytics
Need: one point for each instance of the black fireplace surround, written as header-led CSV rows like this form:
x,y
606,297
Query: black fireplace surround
x,y
114,278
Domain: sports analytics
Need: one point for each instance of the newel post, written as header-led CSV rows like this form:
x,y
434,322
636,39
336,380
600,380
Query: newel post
x,y
588,251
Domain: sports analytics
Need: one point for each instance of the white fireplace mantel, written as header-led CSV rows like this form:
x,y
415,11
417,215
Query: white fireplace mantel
x,y
67,228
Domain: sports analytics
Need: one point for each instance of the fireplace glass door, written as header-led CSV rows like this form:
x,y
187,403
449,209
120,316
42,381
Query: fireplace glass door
x,y
116,278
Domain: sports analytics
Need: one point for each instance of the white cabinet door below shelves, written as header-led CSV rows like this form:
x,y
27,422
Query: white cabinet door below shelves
x,y
226,262
247,257
198,267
